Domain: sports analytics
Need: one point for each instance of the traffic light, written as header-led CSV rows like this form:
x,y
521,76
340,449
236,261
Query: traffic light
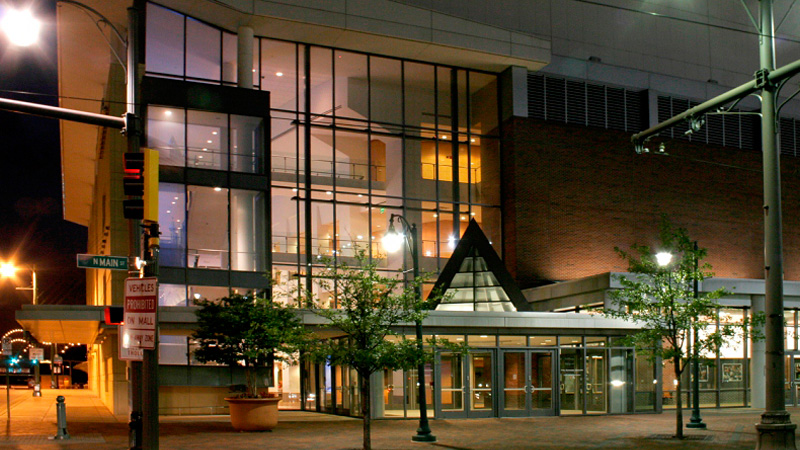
x,y
140,179
133,185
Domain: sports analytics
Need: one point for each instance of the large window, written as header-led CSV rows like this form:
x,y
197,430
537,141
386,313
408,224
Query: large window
x,y
354,138
208,227
206,140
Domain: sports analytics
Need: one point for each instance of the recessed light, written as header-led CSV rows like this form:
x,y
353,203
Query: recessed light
x,y
278,74
217,189
200,157
435,215
205,149
169,212
173,203
472,140
328,193
167,113
209,141
294,189
214,133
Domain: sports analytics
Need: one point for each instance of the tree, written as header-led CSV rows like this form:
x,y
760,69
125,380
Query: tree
x,y
250,331
370,307
662,300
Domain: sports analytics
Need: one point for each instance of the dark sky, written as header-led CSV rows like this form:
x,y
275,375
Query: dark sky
x,y
32,228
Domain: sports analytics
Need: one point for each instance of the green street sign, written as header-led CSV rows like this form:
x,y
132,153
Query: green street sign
x,y
103,262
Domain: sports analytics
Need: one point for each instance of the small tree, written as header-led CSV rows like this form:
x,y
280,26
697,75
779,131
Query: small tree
x,y
249,331
662,300
370,305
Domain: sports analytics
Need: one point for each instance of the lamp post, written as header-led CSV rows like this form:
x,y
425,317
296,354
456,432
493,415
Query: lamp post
x,y
696,421
9,270
392,242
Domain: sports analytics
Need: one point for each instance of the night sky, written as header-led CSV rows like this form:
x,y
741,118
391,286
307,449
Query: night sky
x,y
32,229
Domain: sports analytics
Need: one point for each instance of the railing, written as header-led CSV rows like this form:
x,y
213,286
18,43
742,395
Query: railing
x,y
446,173
339,169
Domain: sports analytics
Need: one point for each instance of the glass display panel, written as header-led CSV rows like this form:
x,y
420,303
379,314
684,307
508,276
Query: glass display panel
x,y
321,84
572,381
645,384
481,381
512,341
542,341
203,50
164,41
230,65
483,340
452,379
514,391
173,350
420,100
166,133
483,104
207,140
248,230
247,144
171,294
207,293
172,221
570,341
207,218
385,90
285,216
279,73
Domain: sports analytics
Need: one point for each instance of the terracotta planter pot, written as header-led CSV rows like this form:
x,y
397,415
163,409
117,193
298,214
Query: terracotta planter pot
x,y
254,414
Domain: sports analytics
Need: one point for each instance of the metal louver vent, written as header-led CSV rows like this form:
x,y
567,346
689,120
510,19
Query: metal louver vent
x,y
589,104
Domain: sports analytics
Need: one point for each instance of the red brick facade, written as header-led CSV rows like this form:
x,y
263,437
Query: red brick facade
x,y
571,193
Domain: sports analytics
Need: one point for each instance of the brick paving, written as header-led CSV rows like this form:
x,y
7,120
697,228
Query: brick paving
x,y
92,426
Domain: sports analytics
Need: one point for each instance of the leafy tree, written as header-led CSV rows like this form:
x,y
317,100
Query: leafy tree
x,y
661,299
250,331
370,306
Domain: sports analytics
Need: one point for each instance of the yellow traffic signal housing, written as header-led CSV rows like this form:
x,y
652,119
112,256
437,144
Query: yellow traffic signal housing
x,y
150,195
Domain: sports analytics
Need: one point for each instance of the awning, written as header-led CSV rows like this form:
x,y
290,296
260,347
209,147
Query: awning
x,y
77,324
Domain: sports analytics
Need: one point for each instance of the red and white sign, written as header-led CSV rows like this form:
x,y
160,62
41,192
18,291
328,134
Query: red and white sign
x,y
140,315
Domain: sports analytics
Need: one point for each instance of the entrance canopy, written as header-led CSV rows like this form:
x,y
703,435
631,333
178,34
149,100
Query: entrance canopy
x,y
62,323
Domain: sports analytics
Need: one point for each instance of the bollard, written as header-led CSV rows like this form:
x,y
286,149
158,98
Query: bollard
x,y
135,431
61,414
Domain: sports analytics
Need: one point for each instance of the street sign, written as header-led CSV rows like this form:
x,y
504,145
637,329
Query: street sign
x,y
141,307
58,360
36,353
126,352
6,346
103,262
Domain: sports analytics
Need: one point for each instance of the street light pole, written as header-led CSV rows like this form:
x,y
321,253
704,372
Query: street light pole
x,y
696,421
424,429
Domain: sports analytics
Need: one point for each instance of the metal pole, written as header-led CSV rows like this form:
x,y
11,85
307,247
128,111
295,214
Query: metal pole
x,y
696,421
775,430
33,283
424,430
8,391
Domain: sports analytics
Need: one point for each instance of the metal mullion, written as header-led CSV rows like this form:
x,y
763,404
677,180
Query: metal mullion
x,y
369,161
335,237
185,50
469,148
307,172
436,165
221,50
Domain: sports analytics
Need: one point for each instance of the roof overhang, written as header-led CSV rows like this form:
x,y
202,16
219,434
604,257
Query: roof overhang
x,y
62,323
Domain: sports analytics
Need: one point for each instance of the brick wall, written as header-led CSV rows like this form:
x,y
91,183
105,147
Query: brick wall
x,y
571,194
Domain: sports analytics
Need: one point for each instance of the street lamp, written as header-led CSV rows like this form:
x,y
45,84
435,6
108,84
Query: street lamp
x,y
696,421
392,242
9,270
21,27
663,259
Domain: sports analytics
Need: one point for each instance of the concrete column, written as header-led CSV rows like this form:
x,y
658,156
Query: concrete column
x,y
758,361
244,72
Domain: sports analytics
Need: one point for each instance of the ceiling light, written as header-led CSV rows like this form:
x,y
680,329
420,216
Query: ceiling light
x,y
278,74
209,141
217,189
214,133
167,113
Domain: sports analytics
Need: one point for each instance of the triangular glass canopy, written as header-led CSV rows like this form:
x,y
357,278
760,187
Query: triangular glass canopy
x,y
475,279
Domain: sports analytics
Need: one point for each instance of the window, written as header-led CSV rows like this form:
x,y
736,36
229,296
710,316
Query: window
x,y
207,219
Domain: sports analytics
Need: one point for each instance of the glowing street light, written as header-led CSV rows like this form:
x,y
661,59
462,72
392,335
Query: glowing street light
x,y
21,27
663,258
9,270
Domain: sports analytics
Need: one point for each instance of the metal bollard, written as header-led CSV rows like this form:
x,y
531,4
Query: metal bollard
x,y
135,431
61,414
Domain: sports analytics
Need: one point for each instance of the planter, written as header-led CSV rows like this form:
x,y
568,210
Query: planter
x,y
254,414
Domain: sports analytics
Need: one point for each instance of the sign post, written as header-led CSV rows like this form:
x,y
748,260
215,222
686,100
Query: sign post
x,y
36,355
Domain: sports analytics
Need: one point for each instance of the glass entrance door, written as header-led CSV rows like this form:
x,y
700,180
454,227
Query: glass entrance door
x,y
527,383
467,386
792,379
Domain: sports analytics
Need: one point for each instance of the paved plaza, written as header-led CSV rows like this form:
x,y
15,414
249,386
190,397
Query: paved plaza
x,y
92,426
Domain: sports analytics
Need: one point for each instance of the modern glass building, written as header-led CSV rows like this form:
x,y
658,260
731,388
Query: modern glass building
x,y
500,143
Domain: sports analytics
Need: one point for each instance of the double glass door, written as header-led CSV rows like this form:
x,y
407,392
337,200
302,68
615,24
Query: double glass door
x,y
467,384
527,383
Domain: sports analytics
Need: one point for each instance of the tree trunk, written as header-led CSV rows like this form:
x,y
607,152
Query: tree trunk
x,y
365,410
679,400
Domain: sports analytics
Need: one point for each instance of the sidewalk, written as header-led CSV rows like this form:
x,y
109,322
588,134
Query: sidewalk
x,y
91,425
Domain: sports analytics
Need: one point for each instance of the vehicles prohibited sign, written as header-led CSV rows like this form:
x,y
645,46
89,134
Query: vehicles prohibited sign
x,y
140,315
